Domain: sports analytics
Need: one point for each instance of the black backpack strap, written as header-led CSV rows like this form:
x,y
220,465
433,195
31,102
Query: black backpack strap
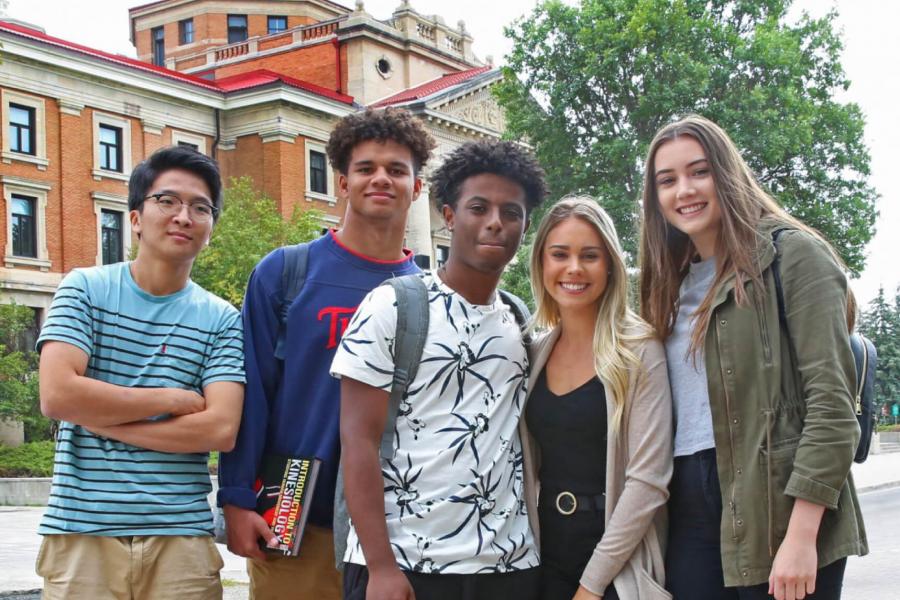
x,y
293,276
776,273
409,343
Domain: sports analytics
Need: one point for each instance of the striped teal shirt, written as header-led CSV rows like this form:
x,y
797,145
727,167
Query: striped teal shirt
x,y
188,340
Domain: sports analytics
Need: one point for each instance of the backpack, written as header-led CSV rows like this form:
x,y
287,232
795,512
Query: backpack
x,y
864,355
409,342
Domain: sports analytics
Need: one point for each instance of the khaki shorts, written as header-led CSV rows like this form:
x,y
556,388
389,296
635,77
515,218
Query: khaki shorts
x,y
157,567
311,575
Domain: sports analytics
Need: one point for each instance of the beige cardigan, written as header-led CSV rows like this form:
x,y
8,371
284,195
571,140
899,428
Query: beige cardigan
x,y
638,469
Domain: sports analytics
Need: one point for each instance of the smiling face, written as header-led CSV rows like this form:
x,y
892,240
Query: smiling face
x,y
174,237
686,191
488,222
380,182
575,265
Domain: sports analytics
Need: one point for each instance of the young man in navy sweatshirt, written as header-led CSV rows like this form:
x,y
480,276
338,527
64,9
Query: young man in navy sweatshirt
x,y
291,406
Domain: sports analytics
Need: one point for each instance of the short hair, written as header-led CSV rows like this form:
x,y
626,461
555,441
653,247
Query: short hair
x,y
174,157
504,158
381,125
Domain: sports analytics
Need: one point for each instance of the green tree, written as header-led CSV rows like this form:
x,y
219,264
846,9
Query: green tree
x,y
19,397
250,227
517,276
589,86
881,324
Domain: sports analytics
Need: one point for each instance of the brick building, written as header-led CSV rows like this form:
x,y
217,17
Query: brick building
x,y
255,84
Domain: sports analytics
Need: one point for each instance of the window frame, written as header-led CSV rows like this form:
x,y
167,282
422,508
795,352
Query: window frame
x,y
158,46
269,30
7,154
31,220
124,125
328,196
30,129
108,150
37,190
183,137
112,203
229,28
184,32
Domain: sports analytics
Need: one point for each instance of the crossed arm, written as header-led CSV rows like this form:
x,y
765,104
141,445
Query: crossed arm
x,y
198,423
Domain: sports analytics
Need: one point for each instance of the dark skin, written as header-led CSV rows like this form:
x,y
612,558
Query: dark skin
x,y
380,184
488,222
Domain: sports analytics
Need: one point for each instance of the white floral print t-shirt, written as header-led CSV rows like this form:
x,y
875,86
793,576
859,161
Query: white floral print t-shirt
x,y
454,494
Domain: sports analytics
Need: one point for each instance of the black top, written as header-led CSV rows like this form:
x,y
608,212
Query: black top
x,y
571,433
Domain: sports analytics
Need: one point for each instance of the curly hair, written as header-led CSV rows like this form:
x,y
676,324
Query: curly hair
x,y
394,124
503,158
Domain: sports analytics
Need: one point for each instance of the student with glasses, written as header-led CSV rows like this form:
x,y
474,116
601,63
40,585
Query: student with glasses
x,y
144,370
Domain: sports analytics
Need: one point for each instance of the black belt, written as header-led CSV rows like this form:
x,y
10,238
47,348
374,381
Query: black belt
x,y
567,503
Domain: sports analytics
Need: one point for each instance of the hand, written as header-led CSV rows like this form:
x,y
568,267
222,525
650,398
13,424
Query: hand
x,y
183,402
584,594
389,584
793,573
244,528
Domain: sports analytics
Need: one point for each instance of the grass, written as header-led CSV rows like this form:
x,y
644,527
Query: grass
x,y
233,583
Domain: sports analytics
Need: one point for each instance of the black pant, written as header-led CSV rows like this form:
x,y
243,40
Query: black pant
x,y
694,557
515,585
567,544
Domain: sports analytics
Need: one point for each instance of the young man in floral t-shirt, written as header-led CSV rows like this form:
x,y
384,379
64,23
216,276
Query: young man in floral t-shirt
x,y
445,518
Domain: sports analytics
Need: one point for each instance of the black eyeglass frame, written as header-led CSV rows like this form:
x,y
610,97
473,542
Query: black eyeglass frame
x,y
214,212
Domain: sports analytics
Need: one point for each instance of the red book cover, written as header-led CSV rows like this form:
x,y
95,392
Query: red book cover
x,y
284,492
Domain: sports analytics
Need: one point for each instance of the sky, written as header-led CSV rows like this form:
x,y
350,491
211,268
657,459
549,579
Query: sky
x,y
871,48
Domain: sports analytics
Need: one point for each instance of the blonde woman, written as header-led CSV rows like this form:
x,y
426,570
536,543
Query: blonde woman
x,y
597,436
762,499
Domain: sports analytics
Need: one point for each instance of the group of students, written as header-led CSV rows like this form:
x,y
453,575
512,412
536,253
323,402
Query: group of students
x,y
699,450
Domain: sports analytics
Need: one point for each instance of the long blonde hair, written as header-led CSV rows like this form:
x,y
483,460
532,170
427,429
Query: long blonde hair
x,y
666,252
617,326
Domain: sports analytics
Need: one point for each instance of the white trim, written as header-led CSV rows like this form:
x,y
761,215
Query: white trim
x,y
189,138
328,196
32,189
39,157
124,124
115,203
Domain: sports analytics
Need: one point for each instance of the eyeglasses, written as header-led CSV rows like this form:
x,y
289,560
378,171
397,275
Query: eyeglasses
x,y
171,205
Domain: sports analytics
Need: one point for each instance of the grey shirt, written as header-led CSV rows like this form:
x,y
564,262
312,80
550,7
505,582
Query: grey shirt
x,y
687,375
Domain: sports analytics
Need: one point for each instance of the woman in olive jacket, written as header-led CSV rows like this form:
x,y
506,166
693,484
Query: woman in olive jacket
x,y
762,502
597,432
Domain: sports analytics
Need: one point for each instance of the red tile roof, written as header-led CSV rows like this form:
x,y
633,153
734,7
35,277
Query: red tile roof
x,y
118,59
431,87
260,77
229,84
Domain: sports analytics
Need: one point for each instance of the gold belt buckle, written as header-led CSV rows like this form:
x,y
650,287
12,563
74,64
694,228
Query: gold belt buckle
x,y
569,496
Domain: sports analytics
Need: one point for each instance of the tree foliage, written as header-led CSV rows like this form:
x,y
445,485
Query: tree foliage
x,y
250,227
19,397
589,86
881,324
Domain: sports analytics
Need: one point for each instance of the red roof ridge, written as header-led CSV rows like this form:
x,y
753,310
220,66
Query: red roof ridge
x,y
428,88
258,77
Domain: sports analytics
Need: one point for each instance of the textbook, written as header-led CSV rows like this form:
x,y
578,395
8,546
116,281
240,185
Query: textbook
x,y
284,491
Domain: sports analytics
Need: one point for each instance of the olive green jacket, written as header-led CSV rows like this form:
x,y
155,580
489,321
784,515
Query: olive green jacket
x,y
785,427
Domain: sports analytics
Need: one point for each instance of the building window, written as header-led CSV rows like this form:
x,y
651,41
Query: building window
x,y
277,24
158,39
21,129
189,140
443,253
186,31
319,176
237,28
24,226
317,172
111,148
23,133
25,202
111,236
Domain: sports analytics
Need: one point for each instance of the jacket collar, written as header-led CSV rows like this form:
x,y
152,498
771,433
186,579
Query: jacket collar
x,y
765,252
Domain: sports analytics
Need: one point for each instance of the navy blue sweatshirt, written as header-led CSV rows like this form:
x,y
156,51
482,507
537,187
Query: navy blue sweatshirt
x,y
293,408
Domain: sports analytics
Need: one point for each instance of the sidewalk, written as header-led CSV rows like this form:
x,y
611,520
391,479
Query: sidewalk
x,y
19,543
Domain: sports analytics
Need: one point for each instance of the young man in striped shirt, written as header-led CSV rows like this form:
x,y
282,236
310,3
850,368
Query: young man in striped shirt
x,y
144,370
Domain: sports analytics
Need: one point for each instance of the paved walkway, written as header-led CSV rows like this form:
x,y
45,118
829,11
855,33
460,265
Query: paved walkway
x,y
19,543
